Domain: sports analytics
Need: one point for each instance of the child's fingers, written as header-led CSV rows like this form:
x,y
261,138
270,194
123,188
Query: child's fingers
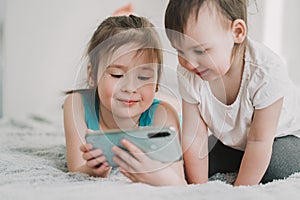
x,y
134,150
127,166
127,174
89,131
92,154
125,156
96,161
101,169
86,147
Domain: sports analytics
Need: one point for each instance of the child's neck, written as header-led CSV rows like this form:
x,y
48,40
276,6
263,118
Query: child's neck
x,y
109,121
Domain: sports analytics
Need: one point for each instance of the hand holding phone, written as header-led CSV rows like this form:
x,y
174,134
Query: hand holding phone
x,y
158,143
95,160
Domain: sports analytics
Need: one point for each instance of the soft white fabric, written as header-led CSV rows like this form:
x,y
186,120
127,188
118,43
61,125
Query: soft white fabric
x,y
33,166
264,80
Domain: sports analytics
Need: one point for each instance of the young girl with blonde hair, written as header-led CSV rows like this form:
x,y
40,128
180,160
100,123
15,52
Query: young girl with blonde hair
x,y
124,68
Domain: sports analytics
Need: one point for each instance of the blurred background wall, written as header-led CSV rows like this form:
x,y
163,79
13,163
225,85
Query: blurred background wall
x,y
43,42
1,55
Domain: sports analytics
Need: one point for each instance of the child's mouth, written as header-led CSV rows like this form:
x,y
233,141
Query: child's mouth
x,y
201,73
128,102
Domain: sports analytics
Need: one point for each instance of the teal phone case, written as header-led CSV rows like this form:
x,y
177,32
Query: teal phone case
x,y
158,143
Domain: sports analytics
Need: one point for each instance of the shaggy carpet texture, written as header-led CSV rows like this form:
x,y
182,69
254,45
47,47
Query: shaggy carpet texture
x,y
33,166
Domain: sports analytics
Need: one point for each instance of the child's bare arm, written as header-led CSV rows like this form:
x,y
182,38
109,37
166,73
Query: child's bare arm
x,y
77,151
166,115
259,145
195,144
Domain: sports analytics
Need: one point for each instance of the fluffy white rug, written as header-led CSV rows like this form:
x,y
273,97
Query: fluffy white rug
x,y
33,166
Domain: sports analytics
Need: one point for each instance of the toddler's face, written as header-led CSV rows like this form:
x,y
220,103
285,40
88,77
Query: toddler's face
x,y
207,45
127,86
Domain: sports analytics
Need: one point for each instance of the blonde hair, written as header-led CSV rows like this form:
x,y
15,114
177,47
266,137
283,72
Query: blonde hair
x,y
117,31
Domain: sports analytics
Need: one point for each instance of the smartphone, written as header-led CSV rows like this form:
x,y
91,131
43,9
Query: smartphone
x,y
158,143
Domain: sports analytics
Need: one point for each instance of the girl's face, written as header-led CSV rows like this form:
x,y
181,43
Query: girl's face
x,y
207,45
127,86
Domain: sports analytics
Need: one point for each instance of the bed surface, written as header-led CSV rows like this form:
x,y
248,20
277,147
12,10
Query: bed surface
x,y
33,166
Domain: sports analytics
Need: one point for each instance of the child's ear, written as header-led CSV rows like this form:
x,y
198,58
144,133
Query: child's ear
x,y
90,76
239,30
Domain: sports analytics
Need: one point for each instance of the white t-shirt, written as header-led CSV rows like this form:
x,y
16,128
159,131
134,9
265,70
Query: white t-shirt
x,y
264,81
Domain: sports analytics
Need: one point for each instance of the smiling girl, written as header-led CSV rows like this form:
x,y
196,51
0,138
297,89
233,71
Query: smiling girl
x,y
124,68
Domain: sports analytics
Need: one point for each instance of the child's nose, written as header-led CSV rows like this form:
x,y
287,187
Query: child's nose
x,y
129,84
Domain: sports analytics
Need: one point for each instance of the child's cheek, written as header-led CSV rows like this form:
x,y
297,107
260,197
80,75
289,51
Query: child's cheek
x,y
183,62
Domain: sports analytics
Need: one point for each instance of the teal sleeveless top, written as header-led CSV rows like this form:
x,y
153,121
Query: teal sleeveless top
x,y
91,107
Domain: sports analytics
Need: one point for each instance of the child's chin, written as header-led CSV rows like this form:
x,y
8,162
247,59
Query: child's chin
x,y
125,115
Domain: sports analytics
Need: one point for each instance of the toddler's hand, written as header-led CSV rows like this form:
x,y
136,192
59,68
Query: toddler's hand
x,y
138,167
95,160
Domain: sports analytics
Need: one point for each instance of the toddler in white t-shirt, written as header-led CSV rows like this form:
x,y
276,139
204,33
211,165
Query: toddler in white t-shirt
x,y
236,89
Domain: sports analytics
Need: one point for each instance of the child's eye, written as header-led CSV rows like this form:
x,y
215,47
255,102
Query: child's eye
x,y
144,78
200,52
117,75
179,52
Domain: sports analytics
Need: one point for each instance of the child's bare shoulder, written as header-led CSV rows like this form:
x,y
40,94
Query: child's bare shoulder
x,y
166,115
73,100
167,107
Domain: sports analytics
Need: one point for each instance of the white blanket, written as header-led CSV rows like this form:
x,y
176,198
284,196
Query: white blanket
x,y
33,166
